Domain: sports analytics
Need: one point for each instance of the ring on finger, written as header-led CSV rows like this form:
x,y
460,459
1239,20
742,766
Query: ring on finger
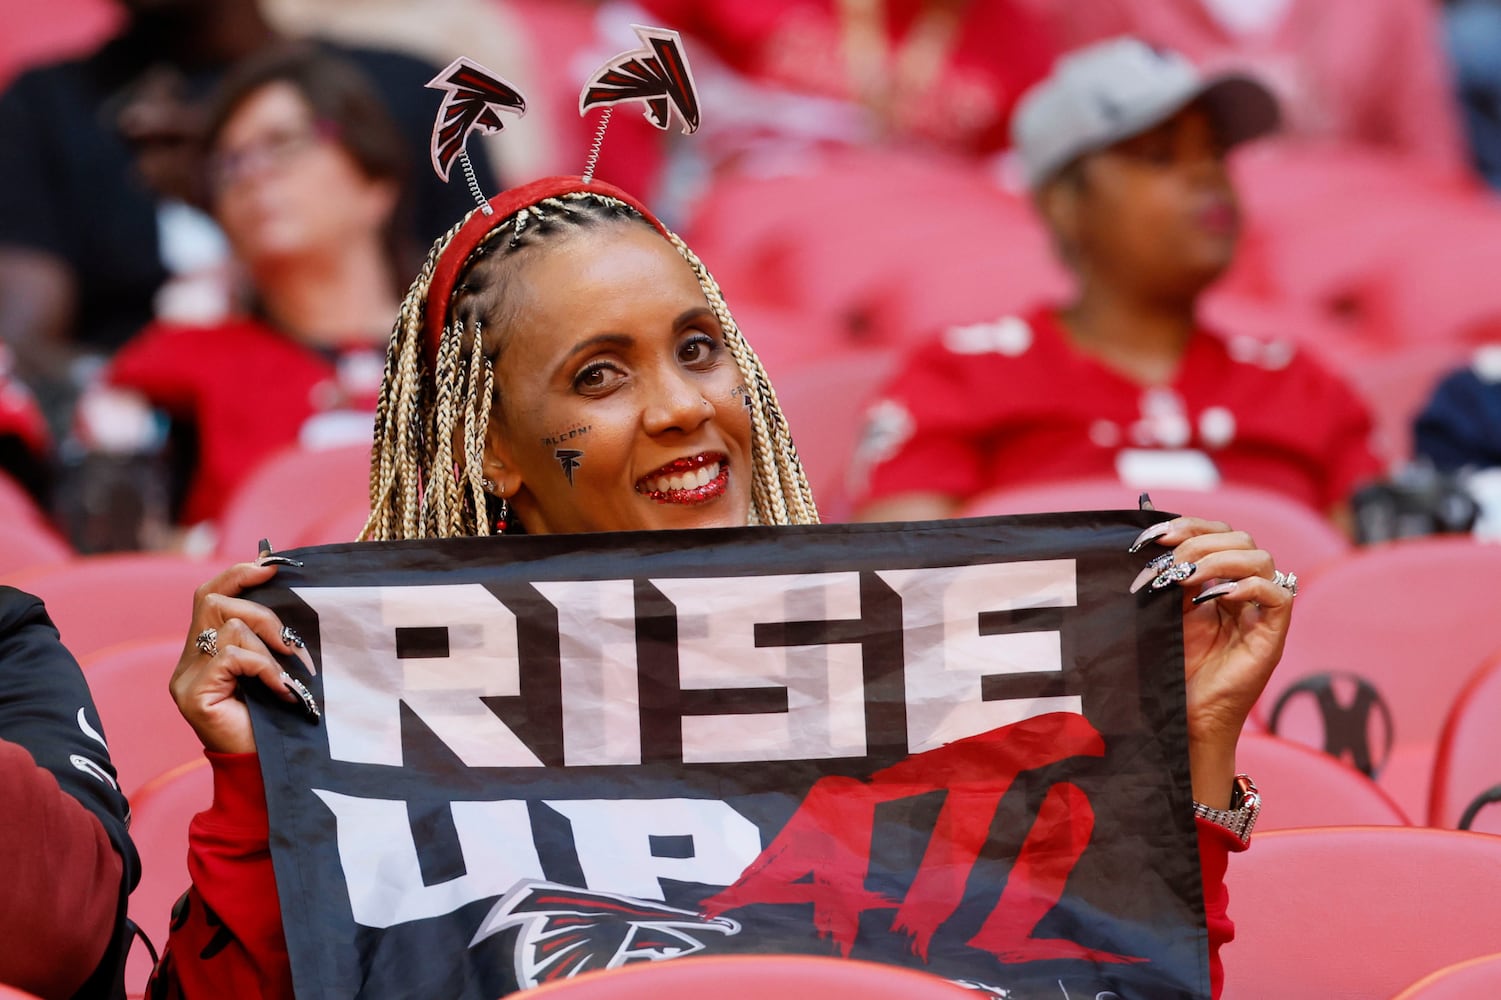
x,y
1287,581
207,642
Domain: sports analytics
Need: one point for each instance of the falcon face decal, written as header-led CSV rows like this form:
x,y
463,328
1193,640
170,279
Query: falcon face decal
x,y
563,931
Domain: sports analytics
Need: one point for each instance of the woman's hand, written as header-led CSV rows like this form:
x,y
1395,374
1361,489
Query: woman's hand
x,y
1235,621
204,685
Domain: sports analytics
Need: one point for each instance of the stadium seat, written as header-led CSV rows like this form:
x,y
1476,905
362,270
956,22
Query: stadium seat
x,y
27,545
824,403
1298,537
1479,977
1339,913
147,736
1412,620
102,601
1468,762
289,495
1303,787
754,977
16,993
1397,383
160,812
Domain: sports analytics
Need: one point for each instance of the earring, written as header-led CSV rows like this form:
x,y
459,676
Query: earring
x,y
489,486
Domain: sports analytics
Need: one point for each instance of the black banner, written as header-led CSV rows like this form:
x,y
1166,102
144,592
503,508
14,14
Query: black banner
x,y
958,746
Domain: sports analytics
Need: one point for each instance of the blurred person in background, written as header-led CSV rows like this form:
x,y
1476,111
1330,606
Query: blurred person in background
x,y
1124,150
1472,33
305,172
1356,72
100,227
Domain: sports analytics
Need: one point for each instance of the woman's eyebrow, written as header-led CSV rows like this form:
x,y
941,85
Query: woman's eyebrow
x,y
618,340
690,315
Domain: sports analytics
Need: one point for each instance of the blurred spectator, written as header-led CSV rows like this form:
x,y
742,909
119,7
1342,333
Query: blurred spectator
x,y
1355,71
941,73
1460,427
25,444
305,172
97,184
68,861
1473,32
1124,148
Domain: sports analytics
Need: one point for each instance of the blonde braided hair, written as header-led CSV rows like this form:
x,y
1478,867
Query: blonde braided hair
x,y
419,487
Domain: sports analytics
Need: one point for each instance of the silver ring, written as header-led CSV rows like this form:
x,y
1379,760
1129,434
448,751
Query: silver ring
x,y
208,642
1287,581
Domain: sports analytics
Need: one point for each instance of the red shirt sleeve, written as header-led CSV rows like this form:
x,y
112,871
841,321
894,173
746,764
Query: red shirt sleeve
x,y
227,939
164,363
1215,845
56,856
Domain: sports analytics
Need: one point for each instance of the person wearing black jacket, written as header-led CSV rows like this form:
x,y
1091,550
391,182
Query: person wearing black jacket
x,y
65,850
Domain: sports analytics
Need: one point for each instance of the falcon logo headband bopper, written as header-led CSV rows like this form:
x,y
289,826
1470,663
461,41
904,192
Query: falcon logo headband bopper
x,y
474,101
658,75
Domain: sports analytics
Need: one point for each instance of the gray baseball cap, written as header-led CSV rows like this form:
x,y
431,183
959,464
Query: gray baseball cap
x,y
1113,90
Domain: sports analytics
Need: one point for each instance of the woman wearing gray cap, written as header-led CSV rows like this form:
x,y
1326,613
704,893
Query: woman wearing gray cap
x,y
1123,148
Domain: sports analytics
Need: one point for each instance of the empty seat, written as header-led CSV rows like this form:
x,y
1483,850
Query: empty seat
x,y
1304,787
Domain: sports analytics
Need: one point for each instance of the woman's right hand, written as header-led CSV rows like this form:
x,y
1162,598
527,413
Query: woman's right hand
x,y
204,686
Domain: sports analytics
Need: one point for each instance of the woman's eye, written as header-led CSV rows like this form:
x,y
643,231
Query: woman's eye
x,y
698,348
595,377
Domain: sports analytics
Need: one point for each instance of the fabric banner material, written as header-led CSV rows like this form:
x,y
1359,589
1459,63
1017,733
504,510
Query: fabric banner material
x,y
957,746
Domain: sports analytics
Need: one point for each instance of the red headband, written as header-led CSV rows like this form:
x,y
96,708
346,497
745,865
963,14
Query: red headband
x,y
479,225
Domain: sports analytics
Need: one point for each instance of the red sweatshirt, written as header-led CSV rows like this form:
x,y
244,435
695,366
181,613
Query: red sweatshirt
x,y
234,891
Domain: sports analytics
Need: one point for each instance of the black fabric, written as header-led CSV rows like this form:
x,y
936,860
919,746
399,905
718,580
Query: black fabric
x,y
43,697
1460,427
68,186
494,810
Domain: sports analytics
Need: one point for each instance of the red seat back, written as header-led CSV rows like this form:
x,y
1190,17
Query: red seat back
x,y
1303,787
1414,620
1357,911
289,495
1479,977
1468,762
147,735
754,977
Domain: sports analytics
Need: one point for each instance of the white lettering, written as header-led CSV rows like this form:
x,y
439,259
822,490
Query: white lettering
x,y
597,643
946,656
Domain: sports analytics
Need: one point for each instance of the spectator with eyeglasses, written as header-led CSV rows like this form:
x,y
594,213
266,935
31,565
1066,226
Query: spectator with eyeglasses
x,y
305,172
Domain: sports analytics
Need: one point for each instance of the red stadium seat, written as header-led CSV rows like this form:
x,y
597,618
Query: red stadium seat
x,y
16,993
1479,977
289,495
1299,538
1468,762
1415,620
102,601
160,812
824,403
146,734
1304,787
754,977
28,545
1357,911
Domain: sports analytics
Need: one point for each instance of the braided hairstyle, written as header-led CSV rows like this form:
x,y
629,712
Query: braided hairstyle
x,y
426,479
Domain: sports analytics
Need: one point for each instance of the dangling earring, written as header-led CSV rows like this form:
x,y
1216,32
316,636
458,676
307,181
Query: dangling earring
x,y
488,485
502,511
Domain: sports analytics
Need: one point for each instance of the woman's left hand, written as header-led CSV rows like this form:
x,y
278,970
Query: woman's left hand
x,y
1232,637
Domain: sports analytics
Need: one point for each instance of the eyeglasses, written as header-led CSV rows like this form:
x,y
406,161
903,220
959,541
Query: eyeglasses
x,y
274,151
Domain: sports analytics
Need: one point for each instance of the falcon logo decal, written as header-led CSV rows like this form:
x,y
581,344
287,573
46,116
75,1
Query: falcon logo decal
x,y
474,101
563,931
657,75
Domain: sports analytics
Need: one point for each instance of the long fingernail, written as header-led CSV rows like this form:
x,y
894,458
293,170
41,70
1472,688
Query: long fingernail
x,y
264,548
1218,590
289,637
1144,502
1153,569
1176,573
278,561
1153,533
309,705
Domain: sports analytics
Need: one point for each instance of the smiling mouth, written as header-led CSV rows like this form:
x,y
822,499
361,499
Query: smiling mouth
x,y
693,480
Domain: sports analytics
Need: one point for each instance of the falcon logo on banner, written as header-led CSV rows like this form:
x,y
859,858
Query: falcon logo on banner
x,y
956,746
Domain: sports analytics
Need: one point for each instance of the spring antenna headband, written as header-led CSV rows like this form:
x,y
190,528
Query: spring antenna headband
x,y
473,101
657,74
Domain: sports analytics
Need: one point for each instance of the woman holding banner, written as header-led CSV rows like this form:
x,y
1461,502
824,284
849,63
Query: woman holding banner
x,y
564,363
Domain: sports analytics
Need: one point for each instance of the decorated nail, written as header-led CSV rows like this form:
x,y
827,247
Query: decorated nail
x,y
279,561
1176,573
309,705
1218,590
289,637
1153,533
1144,502
1152,571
